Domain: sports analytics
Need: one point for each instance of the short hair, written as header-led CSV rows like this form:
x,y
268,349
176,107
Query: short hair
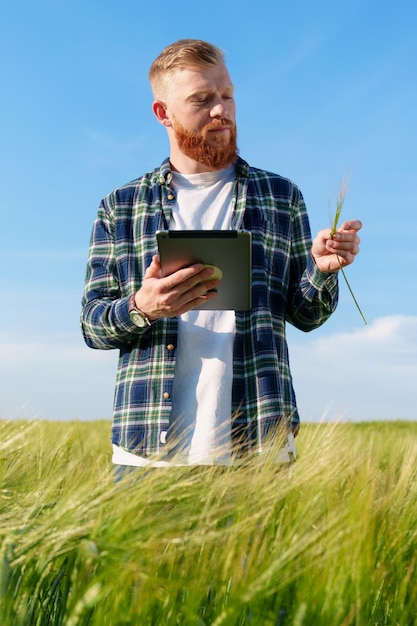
x,y
182,54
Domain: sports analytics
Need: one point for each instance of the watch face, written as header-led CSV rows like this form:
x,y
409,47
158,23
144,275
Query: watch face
x,y
138,319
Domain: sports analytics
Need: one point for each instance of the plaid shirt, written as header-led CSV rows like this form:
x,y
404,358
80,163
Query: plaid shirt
x,y
286,287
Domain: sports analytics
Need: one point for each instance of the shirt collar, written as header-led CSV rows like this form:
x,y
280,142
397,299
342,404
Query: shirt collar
x,y
164,174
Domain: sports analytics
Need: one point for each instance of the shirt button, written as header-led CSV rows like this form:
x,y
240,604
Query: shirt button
x,y
170,347
170,196
166,395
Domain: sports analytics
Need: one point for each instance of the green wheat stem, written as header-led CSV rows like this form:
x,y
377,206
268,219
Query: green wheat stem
x,y
352,294
340,201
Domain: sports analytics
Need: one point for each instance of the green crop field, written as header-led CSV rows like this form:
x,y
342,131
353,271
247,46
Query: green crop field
x,y
331,540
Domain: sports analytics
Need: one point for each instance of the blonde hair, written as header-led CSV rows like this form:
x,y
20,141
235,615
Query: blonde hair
x,y
183,54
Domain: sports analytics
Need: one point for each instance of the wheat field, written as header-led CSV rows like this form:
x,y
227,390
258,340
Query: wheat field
x,y
330,540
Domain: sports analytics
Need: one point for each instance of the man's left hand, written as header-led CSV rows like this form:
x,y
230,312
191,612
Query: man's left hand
x,y
332,253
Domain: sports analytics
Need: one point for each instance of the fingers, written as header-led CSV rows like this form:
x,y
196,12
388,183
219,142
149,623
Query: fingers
x,y
177,293
344,241
154,269
182,291
187,277
346,236
345,246
352,225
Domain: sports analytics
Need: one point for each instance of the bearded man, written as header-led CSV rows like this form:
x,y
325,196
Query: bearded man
x,y
199,386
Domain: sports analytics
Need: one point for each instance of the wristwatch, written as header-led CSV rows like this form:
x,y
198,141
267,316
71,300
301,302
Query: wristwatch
x,y
138,318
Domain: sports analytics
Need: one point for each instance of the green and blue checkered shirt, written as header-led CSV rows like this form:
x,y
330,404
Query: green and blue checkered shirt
x,y
286,287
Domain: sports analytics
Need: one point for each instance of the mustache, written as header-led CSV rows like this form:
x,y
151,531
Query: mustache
x,y
219,123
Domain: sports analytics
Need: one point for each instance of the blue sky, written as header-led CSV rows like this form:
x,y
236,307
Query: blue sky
x,y
322,89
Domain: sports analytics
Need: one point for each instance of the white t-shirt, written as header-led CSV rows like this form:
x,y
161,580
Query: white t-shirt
x,y
202,393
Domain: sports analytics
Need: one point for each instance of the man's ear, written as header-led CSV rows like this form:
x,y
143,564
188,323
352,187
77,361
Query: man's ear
x,y
160,112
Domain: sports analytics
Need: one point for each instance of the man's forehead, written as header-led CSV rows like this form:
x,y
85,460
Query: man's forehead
x,y
197,79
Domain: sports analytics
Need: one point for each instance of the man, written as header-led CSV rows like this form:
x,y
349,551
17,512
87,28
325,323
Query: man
x,y
196,386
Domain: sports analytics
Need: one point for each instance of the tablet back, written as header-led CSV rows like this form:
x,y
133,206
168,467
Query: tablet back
x,y
230,250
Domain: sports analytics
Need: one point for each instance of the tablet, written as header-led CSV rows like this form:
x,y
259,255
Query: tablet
x,y
229,250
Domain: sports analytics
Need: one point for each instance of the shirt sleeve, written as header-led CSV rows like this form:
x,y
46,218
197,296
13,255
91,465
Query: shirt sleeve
x,y
313,294
105,320
318,284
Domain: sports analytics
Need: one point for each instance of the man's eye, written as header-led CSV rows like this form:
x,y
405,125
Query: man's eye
x,y
200,100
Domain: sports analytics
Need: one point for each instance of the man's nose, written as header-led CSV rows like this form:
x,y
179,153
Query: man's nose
x,y
218,109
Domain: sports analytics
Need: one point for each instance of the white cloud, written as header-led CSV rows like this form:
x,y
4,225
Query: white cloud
x,y
362,375
369,373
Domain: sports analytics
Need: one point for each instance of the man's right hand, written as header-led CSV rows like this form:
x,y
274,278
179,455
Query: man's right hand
x,y
175,294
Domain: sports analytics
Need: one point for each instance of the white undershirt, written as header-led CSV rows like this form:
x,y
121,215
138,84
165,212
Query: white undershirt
x,y
202,392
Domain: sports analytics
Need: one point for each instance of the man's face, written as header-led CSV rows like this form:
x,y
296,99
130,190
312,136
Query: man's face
x,y
201,109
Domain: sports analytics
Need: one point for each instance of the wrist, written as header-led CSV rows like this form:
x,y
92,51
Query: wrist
x,y
137,316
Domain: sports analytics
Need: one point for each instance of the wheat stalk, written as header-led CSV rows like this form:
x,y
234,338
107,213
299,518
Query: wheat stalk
x,y
344,186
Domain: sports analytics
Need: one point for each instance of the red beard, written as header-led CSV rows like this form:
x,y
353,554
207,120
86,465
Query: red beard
x,y
195,145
